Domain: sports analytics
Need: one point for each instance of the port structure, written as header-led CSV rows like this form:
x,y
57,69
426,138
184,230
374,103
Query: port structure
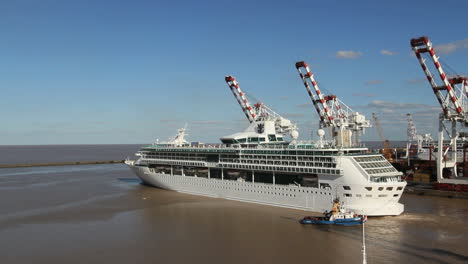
x,y
412,134
451,93
411,131
260,111
346,125
386,151
414,137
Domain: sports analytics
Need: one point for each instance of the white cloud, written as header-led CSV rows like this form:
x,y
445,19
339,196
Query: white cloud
x,y
373,82
415,81
388,110
379,104
165,121
452,46
388,52
305,105
293,115
207,122
364,94
348,54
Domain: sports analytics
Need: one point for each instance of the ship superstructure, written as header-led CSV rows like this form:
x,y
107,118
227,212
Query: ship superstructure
x,y
260,165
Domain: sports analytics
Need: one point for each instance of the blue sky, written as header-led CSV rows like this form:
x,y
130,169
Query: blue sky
x,y
77,72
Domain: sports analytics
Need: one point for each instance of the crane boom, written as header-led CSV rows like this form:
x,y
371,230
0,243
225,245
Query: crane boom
x,y
377,125
333,113
240,97
326,119
452,96
260,112
386,144
446,88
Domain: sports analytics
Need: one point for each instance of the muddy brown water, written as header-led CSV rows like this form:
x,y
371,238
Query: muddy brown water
x,y
102,214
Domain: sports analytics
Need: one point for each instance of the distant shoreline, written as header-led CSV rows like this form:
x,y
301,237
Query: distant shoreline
x,y
25,165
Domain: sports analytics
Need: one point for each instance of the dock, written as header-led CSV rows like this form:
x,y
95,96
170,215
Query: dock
x,y
25,165
428,190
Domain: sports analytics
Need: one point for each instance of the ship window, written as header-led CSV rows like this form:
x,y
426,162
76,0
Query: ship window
x,y
241,140
382,195
358,195
399,188
369,188
279,139
380,188
395,195
347,195
389,188
272,137
262,139
228,140
253,139
368,195
347,188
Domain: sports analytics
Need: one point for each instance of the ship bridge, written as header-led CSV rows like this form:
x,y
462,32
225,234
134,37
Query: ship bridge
x,y
258,132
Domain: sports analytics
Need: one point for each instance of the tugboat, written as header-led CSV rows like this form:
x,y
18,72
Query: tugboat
x,y
337,216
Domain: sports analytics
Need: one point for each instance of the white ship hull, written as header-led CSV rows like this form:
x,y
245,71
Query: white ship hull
x,y
427,155
372,203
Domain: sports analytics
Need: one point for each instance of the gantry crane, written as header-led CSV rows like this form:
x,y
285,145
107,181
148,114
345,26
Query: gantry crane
x,y
261,112
386,151
346,124
451,93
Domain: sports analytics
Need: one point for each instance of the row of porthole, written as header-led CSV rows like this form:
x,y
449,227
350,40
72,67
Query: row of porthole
x,y
380,188
231,182
370,195
293,195
276,188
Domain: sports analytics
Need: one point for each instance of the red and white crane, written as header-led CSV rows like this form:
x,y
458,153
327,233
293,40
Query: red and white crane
x,y
260,112
451,93
240,97
333,113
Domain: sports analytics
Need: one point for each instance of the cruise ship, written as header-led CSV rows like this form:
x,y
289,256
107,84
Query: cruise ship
x,y
258,165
